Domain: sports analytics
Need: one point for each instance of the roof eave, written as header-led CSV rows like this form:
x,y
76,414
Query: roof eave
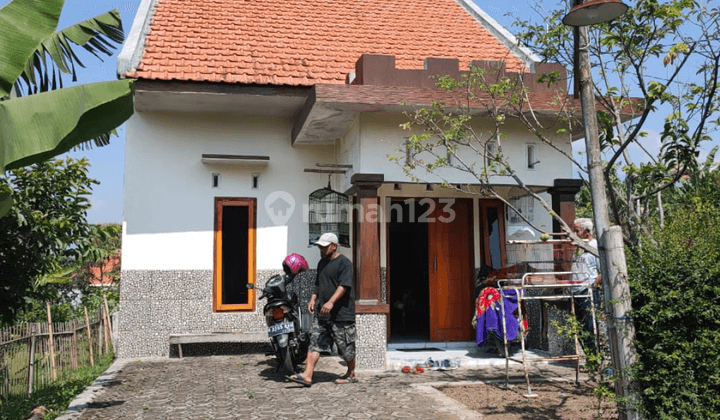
x,y
330,109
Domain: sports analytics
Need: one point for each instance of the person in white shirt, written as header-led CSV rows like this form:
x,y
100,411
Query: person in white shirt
x,y
586,268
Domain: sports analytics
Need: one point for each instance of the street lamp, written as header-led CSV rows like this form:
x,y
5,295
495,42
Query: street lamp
x,y
610,242
593,12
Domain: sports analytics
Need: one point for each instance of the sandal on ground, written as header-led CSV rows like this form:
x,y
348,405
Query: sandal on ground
x,y
299,380
419,369
406,369
432,364
345,380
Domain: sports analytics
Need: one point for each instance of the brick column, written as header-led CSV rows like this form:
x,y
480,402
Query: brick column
x,y
367,254
563,203
563,200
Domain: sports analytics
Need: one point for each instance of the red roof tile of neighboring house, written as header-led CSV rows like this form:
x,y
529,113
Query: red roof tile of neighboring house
x,y
99,274
305,42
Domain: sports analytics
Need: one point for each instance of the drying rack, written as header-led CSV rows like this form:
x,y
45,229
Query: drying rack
x,y
547,280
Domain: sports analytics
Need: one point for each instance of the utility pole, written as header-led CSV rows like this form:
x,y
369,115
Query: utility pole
x,y
621,330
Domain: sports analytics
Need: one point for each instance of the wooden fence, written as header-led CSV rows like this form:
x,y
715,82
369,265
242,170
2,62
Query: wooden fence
x,y
34,355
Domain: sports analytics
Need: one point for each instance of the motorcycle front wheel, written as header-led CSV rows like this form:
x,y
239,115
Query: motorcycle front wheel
x,y
285,360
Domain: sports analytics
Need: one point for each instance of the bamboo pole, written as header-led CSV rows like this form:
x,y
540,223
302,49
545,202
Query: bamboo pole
x,y
6,374
51,343
109,321
31,361
87,324
99,320
105,329
74,349
62,347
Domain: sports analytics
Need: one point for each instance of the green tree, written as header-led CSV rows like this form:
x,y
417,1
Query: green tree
x,y
45,234
69,288
657,61
700,185
50,119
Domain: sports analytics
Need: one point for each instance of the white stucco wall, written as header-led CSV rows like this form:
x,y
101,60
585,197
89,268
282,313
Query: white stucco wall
x,y
169,198
348,152
381,136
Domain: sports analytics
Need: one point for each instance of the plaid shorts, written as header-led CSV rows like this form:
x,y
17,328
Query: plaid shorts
x,y
324,332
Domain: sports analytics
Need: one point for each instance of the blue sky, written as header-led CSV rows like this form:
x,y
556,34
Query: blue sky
x,y
108,162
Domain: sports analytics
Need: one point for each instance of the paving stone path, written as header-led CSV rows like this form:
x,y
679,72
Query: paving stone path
x,y
247,386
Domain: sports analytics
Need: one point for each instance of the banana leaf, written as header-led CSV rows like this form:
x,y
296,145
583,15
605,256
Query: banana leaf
x,y
37,127
23,26
54,56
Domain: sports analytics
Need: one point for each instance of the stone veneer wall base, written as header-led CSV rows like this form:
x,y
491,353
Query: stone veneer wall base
x,y
157,303
371,341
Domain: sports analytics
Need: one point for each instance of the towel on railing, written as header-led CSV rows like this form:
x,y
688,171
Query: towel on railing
x,y
490,315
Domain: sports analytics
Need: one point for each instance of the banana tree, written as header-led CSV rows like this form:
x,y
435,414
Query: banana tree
x,y
39,118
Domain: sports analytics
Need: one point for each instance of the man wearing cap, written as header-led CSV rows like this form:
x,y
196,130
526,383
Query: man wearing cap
x,y
333,304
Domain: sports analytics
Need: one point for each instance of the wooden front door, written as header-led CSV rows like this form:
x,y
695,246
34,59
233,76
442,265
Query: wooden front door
x,y
450,255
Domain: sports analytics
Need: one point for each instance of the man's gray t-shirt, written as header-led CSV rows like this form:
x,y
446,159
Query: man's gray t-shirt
x,y
330,275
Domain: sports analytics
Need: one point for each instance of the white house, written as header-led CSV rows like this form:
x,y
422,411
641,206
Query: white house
x,y
239,108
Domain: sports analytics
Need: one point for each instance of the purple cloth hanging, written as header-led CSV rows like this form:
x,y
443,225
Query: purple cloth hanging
x,y
491,320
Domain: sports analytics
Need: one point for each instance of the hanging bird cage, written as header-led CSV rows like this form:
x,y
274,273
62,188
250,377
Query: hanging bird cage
x,y
328,212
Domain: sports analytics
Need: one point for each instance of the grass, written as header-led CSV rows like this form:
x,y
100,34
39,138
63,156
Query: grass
x,y
55,396
18,365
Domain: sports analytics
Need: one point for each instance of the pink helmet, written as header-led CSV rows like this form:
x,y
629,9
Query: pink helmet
x,y
294,263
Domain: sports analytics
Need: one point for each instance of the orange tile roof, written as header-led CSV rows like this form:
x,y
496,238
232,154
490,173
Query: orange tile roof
x,y
304,42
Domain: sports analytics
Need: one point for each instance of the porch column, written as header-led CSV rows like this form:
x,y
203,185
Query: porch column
x,y
563,200
563,203
367,253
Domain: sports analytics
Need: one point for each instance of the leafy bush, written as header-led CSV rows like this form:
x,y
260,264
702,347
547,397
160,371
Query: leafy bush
x,y
676,301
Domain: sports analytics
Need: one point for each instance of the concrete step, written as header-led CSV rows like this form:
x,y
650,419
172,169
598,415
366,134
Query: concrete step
x,y
466,355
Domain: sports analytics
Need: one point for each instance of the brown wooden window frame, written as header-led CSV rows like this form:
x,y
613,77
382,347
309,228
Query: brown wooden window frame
x,y
251,204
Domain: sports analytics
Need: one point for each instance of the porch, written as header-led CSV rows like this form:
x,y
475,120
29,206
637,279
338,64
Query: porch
x,y
416,300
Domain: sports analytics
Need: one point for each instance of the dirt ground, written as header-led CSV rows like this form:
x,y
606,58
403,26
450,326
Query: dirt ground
x,y
555,400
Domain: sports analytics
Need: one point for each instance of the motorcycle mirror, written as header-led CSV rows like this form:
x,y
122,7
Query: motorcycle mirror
x,y
250,286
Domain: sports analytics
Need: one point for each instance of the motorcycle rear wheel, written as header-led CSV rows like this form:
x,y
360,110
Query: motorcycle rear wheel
x,y
285,359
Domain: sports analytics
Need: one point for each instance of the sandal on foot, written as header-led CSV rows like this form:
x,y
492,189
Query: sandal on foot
x,y
345,380
300,380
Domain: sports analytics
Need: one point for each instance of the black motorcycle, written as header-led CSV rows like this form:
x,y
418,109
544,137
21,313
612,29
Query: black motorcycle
x,y
288,324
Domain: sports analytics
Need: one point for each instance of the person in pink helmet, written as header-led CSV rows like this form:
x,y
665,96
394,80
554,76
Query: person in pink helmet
x,y
333,304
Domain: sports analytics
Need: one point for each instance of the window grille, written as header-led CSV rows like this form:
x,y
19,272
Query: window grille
x,y
328,212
